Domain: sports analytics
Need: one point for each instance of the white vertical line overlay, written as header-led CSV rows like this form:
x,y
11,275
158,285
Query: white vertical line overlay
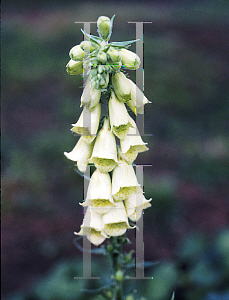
x,y
86,123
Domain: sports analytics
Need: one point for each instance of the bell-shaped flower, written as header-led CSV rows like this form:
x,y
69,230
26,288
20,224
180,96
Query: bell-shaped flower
x,y
81,154
99,193
90,96
92,227
88,123
135,204
138,99
115,222
130,60
119,117
124,181
74,67
132,144
121,87
104,154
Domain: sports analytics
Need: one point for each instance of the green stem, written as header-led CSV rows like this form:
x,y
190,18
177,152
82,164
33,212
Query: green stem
x,y
115,257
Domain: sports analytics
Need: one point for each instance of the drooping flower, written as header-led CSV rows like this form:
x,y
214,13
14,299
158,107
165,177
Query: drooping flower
x,y
119,117
92,227
90,96
121,87
81,153
88,123
132,144
99,193
104,155
135,204
115,222
130,60
124,181
138,99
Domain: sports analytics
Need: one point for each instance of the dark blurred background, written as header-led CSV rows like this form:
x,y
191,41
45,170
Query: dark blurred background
x,y
186,66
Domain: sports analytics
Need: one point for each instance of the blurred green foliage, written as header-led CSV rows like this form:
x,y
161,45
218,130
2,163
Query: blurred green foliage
x,y
201,272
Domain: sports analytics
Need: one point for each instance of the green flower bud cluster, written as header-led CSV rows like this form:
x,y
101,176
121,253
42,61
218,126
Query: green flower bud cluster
x,y
112,199
101,59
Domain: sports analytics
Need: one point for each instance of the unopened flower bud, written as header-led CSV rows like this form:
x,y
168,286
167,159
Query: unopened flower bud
x,y
74,67
121,87
88,46
76,53
130,60
119,275
114,55
129,297
104,80
94,62
90,96
104,27
102,57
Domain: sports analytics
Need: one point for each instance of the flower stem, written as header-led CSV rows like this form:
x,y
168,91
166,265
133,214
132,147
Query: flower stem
x,y
116,258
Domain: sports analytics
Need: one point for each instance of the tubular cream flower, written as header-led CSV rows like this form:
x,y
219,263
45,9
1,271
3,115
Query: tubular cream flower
x,y
124,181
121,87
92,227
119,117
132,144
99,193
135,204
88,124
90,96
74,67
115,222
130,60
76,53
81,153
104,154
138,100
104,27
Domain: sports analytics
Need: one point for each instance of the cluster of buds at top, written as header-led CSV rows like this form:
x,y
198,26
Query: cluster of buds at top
x,y
114,195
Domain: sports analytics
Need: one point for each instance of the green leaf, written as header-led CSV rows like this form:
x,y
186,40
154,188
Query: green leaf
x,y
94,38
173,296
98,290
123,44
147,264
101,250
112,19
